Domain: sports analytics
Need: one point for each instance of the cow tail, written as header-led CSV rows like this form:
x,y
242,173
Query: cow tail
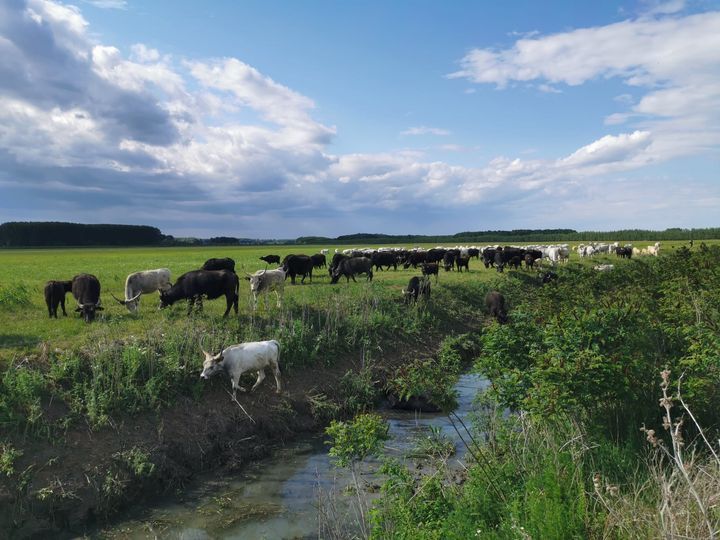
x,y
237,292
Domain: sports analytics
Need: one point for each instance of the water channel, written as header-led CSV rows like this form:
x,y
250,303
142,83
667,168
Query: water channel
x,y
277,498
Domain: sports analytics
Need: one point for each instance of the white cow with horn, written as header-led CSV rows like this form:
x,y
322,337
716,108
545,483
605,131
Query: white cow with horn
x,y
145,282
237,359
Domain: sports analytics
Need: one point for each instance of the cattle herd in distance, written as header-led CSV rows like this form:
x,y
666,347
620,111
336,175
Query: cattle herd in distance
x,y
217,278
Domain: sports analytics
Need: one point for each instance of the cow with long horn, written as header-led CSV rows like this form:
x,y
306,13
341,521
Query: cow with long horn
x,y
86,290
145,282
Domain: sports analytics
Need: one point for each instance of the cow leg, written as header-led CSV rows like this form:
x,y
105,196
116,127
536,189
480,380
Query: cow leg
x,y
255,302
276,372
191,302
260,378
277,298
236,385
62,304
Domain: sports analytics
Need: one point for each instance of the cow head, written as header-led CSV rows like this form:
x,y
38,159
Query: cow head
x,y
88,311
165,300
131,304
256,281
212,365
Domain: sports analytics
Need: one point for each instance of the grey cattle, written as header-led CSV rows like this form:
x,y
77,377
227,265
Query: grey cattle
x,y
264,281
145,282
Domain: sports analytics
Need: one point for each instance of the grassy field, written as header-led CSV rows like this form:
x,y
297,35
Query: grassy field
x,y
341,345
23,316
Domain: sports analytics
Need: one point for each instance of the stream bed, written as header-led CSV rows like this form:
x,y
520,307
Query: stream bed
x,y
277,498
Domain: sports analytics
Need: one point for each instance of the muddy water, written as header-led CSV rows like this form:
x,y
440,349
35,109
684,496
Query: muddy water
x,y
277,498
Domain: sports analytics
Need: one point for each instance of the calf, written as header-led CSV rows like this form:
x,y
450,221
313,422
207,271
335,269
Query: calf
x,y
86,290
428,269
417,286
271,259
264,281
319,260
237,359
495,303
55,292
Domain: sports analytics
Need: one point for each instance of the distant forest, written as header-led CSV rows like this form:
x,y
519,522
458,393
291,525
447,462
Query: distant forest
x,y
58,234
519,235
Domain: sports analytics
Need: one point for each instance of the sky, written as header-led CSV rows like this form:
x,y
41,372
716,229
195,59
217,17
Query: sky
x,y
279,119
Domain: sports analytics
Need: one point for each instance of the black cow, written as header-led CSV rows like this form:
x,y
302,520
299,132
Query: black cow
x,y
55,295
337,257
384,258
449,259
271,259
86,290
462,262
414,258
298,265
624,252
319,260
488,255
495,303
225,263
516,262
428,269
352,266
212,284
417,286
473,252
435,255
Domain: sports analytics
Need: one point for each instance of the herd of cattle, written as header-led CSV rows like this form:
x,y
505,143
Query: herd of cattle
x,y
217,277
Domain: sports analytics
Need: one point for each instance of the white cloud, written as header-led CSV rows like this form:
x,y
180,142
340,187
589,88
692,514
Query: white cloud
x,y
424,130
217,141
108,4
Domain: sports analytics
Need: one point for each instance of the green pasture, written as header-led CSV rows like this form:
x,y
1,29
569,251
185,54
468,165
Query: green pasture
x,y
25,325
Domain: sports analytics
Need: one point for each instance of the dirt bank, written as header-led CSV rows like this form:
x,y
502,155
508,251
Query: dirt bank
x,y
65,487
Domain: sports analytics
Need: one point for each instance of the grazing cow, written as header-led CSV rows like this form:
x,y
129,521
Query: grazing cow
x,y
198,283
352,266
428,269
414,258
319,260
225,263
271,259
417,286
473,252
264,281
495,303
298,265
462,262
384,258
237,359
145,282
55,295
337,257
86,290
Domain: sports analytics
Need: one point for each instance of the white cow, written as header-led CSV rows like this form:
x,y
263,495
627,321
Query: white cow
x,y
654,250
145,282
237,359
264,281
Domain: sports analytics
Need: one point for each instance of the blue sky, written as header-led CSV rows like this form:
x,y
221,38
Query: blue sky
x,y
281,119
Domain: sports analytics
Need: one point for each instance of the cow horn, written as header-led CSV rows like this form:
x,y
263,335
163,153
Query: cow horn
x,y
121,302
263,272
135,297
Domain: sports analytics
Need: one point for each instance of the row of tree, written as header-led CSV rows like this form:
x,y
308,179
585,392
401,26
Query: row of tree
x,y
38,234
